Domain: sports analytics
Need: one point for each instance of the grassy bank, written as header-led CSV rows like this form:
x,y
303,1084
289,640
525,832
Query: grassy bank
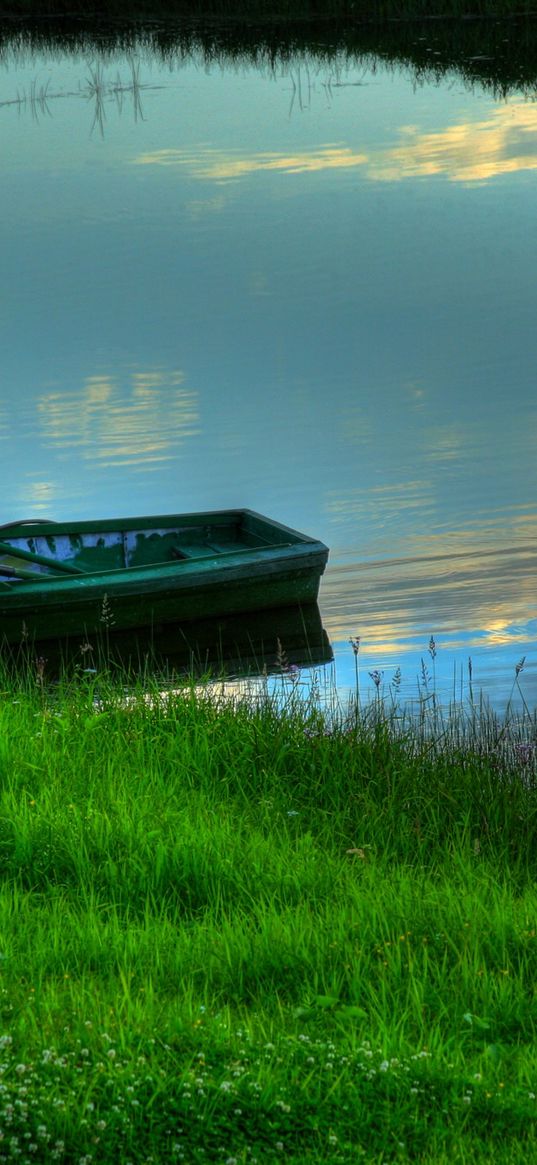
x,y
235,934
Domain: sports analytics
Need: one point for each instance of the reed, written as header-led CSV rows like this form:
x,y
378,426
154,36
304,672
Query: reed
x,y
241,930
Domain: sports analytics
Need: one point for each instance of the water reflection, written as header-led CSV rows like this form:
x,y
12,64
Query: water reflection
x,y
328,318
466,151
115,424
280,643
216,165
97,90
481,604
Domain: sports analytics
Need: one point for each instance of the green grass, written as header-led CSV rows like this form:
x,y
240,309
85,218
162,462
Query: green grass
x,y
238,933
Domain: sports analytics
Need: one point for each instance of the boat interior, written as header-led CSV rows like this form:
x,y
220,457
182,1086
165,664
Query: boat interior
x,y
34,549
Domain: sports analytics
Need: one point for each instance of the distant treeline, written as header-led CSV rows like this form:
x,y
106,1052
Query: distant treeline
x,y
499,53
288,12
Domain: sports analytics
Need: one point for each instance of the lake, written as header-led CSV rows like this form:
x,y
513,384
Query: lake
x,y
307,288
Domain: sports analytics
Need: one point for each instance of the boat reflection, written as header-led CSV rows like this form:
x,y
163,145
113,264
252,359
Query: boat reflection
x,y
264,642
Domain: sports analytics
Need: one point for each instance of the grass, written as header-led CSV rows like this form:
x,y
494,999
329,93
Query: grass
x,y
238,932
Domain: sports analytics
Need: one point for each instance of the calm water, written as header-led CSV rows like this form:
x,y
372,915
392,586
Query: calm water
x,y
310,291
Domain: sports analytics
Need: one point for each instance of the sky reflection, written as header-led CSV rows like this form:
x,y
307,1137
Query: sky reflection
x,y
470,151
121,426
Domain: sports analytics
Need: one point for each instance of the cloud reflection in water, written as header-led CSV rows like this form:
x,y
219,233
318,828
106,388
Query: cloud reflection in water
x,y
470,151
137,425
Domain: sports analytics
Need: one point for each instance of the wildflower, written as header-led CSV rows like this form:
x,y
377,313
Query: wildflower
x,y
376,676
282,660
355,644
432,647
520,665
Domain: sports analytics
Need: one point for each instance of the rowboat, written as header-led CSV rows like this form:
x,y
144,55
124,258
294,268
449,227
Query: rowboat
x,y
62,579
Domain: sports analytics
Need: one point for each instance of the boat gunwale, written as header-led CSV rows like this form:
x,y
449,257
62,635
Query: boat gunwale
x,y
148,522
193,570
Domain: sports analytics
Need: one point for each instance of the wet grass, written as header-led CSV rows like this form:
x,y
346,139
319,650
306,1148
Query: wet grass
x,y
241,931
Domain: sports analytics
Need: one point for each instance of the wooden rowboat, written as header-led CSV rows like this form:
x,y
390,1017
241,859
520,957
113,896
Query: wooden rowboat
x,y
61,579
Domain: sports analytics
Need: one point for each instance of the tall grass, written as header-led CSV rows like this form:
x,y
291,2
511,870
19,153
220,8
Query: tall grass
x,y
237,932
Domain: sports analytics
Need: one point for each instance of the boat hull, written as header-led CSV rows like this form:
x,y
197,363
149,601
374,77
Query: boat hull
x,y
286,570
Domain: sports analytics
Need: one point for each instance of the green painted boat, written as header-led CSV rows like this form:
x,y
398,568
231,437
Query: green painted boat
x,y
63,579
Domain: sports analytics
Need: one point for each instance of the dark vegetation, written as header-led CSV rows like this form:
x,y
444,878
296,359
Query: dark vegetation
x,y
271,11
499,53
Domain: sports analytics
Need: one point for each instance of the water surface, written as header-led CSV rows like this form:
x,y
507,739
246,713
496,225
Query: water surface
x,y
307,289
